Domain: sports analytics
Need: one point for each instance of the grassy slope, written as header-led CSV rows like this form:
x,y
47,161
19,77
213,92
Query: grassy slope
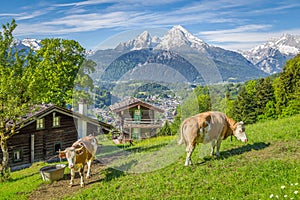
x,y
256,170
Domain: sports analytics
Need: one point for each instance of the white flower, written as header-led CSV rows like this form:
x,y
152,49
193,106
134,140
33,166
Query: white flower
x,y
282,187
296,192
285,196
271,196
296,183
277,196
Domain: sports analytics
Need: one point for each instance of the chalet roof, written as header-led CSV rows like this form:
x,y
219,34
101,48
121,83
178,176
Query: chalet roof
x,y
42,110
132,102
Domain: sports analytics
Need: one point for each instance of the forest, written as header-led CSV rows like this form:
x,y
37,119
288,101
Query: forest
x,y
272,97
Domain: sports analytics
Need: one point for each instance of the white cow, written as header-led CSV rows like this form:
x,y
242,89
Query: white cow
x,y
208,127
81,152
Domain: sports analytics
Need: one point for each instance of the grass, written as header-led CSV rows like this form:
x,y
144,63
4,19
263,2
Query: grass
x,y
268,166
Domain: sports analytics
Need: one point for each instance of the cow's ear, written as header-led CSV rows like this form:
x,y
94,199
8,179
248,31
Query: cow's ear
x,y
79,151
241,122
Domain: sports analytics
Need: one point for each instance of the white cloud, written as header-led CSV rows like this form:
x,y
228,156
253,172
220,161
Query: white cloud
x,y
243,37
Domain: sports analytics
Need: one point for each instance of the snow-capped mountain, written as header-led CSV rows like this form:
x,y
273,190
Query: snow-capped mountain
x,y
175,38
178,37
213,63
143,41
32,43
27,43
272,55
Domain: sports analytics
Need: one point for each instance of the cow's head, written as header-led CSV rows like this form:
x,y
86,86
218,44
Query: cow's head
x,y
239,132
70,154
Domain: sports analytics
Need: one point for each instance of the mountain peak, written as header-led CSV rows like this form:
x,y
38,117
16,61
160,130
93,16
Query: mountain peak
x,y
272,55
178,36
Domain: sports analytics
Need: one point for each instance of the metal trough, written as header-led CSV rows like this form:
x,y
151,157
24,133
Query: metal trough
x,y
53,172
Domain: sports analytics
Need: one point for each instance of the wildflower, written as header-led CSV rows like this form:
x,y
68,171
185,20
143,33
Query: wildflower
x,y
296,183
296,192
271,196
277,196
282,187
285,196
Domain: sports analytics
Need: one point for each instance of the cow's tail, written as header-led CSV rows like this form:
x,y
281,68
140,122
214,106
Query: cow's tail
x,y
181,135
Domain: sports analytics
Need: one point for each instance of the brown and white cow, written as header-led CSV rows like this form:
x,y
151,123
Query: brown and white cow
x,y
208,127
81,152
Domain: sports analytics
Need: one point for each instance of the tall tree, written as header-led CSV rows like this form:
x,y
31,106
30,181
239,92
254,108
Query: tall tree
x,y
15,90
265,94
59,64
286,86
246,103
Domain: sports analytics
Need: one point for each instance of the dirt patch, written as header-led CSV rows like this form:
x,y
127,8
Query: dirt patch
x,y
60,189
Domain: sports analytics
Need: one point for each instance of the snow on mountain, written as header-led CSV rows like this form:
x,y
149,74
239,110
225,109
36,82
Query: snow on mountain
x,y
27,43
175,38
178,37
272,55
142,41
213,63
32,43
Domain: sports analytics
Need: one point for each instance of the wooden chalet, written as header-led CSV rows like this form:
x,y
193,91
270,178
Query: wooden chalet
x,y
46,131
136,119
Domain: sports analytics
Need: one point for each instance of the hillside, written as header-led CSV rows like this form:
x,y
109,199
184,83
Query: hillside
x,y
268,165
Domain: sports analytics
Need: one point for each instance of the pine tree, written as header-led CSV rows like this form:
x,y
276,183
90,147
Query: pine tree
x,y
265,94
286,87
245,104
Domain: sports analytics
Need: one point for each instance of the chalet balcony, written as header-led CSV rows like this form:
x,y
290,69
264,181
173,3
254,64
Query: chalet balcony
x,y
144,123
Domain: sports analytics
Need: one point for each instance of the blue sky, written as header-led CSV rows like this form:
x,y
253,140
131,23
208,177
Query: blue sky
x,y
231,24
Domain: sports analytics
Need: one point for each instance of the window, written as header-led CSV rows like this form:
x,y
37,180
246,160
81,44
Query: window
x,y
56,120
17,155
57,147
40,123
137,115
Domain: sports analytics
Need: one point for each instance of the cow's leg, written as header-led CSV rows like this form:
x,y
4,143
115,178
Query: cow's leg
x,y
81,173
72,177
89,163
213,144
218,147
189,151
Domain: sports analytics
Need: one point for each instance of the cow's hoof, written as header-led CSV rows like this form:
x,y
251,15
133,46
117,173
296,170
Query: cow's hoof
x,y
82,185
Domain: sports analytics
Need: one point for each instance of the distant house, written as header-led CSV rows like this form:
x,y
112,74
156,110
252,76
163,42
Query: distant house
x,y
47,130
137,119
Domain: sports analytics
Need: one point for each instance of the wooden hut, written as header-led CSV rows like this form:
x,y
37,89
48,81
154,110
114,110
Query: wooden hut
x,y
47,130
137,119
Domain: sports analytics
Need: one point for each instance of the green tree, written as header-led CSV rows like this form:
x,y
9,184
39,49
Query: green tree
x,y
165,130
265,96
286,87
17,85
59,63
246,103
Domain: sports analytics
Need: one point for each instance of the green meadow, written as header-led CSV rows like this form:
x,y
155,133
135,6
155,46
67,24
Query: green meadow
x,y
267,167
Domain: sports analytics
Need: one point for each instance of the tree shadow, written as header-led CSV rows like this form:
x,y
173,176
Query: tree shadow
x,y
240,150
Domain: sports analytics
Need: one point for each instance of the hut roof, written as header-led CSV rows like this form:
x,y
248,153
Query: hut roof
x,y
39,111
132,102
